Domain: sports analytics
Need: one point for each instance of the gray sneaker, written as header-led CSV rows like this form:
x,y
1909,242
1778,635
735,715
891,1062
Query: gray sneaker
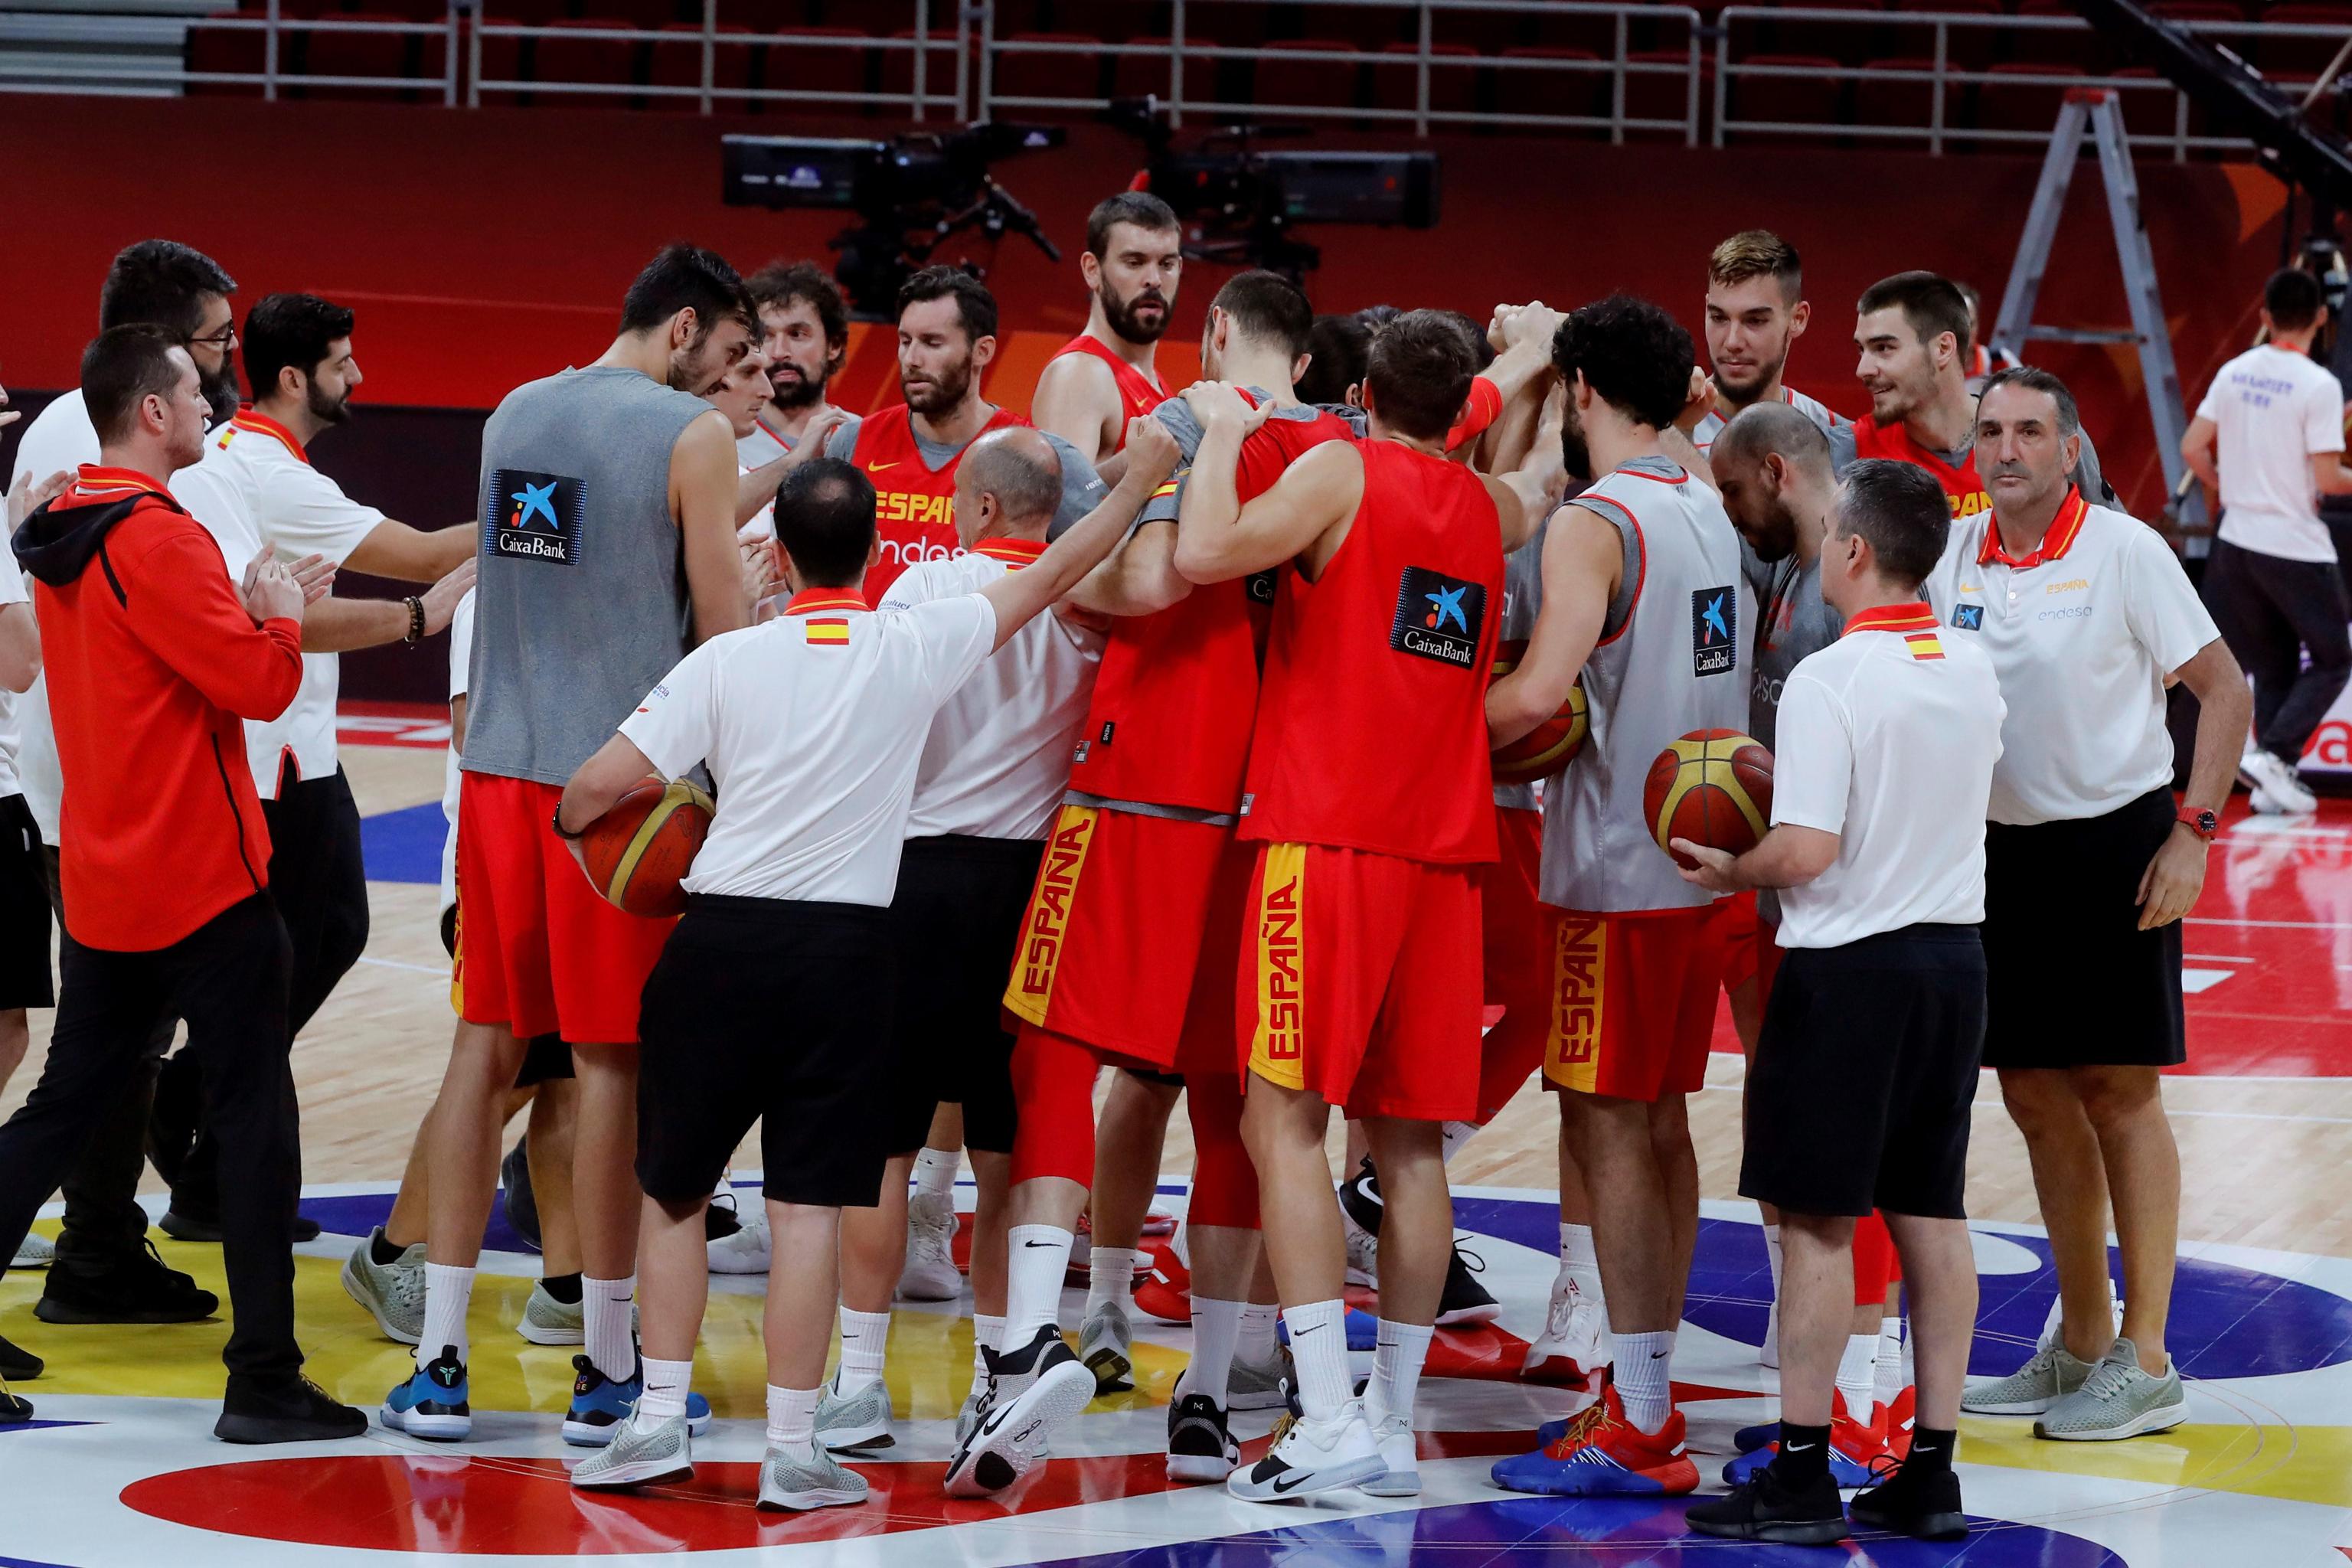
x,y
636,1459
393,1293
1260,1385
789,1482
36,1251
860,1420
548,1321
2116,1400
974,1408
2033,1388
1107,1345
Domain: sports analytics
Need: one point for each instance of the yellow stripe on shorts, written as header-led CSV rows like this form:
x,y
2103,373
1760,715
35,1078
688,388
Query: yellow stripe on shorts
x,y
1580,967
1278,911
1046,925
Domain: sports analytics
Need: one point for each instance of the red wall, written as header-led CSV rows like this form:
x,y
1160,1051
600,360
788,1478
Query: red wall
x,y
483,248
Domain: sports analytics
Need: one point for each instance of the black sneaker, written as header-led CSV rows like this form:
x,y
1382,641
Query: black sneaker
x,y
1201,1445
1035,1390
1466,1301
18,1365
207,1230
1768,1509
140,1288
296,1411
1908,1501
14,1410
1359,1195
522,1205
720,1221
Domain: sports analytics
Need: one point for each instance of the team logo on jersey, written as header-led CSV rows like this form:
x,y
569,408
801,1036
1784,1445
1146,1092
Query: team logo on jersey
x,y
1968,617
534,517
1278,1044
1715,631
1438,617
1580,967
1048,923
1259,586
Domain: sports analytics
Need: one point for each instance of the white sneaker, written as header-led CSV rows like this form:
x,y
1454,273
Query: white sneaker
x,y
931,1274
745,1249
2278,789
1402,1476
797,1483
1107,1345
1574,1345
1314,1457
1768,1354
1363,1253
36,1251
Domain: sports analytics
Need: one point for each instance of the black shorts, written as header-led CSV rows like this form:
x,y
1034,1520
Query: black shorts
x,y
954,924
1864,1071
775,1011
2070,980
24,977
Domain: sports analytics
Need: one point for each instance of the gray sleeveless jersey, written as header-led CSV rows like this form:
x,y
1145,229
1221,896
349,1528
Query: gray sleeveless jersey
x,y
1672,661
581,605
1522,597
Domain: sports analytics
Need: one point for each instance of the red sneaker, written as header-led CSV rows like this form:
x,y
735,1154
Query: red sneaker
x,y
1897,1420
1601,1452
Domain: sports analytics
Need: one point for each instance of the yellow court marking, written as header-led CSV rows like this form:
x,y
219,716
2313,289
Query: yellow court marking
x,y
2295,1464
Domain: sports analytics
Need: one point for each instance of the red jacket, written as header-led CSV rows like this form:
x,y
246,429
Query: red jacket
x,y
154,666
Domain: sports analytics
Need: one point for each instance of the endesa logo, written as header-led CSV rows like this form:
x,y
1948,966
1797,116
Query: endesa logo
x,y
1045,928
915,552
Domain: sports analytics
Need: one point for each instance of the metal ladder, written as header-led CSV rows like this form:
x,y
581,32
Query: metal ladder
x,y
2097,112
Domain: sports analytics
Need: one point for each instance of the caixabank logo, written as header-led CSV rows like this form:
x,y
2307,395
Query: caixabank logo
x,y
534,517
1438,617
1715,631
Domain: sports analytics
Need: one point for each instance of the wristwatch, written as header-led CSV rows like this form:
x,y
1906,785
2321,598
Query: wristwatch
x,y
2200,821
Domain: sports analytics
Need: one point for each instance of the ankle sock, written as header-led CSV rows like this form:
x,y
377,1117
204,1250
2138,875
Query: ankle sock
x,y
1931,1449
449,1292
865,1340
382,1251
1038,1257
1644,1369
1804,1453
791,1419
1258,1343
1110,1277
665,1391
935,1171
1396,1370
1217,1328
610,1326
564,1287
1318,1349
1857,1376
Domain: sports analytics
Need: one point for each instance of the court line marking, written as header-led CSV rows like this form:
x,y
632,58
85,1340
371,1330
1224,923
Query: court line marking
x,y
441,969
1995,1104
2267,925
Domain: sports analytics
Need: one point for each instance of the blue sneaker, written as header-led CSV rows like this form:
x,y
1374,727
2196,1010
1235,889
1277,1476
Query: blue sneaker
x,y
1747,1439
1852,1447
432,1402
1600,1454
599,1405
1363,1330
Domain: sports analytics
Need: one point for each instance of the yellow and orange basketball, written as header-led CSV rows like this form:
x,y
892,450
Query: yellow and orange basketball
x,y
1551,745
638,852
1713,787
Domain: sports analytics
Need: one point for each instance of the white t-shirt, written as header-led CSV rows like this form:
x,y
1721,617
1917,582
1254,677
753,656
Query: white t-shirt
x,y
2082,639
813,725
2274,410
998,758
59,439
256,487
1887,739
461,653
764,446
12,592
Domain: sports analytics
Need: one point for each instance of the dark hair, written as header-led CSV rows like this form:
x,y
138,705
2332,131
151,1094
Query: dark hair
x,y
1481,353
1758,253
1418,375
285,329
2292,298
162,282
975,306
686,278
2035,379
122,366
1901,508
1268,308
1375,317
1635,356
791,282
1340,345
1141,208
824,520
1931,302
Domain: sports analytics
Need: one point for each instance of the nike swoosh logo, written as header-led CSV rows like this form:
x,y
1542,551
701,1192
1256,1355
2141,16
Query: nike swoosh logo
x,y
1802,1448
1036,1244
1302,1334
1290,1483
1655,1355
877,468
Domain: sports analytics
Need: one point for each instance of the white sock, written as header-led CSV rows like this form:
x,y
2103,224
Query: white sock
x,y
1910,1375
865,1343
612,1334
1039,1254
1857,1375
1889,1379
792,1420
1578,1261
1318,1348
449,1292
1216,1329
935,1171
664,1394
987,1333
1110,1277
1452,1136
1644,1366
1257,1345
1396,1371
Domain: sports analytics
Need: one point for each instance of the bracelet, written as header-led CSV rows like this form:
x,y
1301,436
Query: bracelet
x,y
557,822
415,620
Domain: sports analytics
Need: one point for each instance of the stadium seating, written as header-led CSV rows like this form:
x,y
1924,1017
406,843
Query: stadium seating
x,y
1061,74
816,67
1296,83
1812,97
1452,89
562,59
676,60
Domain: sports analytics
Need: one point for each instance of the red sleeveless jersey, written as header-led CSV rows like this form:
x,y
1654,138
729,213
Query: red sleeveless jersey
x,y
1136,394
1962,487
914,505
1170,722
1371,731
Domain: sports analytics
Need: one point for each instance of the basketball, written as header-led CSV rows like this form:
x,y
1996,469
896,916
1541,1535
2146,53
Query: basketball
x,y
1713,787
638,852
1551,745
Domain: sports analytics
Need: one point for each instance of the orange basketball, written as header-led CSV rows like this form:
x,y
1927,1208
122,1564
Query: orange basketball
x,y
638,852
1551,745
1713,787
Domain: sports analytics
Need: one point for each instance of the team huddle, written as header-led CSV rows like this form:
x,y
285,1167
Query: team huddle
x,y
1251,742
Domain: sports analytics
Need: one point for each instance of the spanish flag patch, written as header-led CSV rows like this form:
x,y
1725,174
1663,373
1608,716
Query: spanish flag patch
x,y
1924,645
830,633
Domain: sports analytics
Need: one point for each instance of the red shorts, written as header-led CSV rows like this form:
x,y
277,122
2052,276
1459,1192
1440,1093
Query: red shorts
x,y
539,949
1518,960
1360,981
1112,934
1751,945
1632,1001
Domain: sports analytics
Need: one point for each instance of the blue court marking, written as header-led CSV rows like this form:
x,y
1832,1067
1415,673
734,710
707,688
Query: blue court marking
x,y
35,1425
404,846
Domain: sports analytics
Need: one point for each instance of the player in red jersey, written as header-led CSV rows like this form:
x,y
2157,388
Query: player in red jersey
x,y
1104,376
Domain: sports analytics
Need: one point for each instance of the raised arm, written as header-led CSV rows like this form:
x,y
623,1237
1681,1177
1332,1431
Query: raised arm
x,y
1139,577
702,500
1217,538
1019,596
414,554
1583,561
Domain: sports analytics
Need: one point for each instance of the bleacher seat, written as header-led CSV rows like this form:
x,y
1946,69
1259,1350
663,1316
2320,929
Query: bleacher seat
x,y
1536,92
814,67
1812,98
2298,59
381,55
1452,89
560,58
2083,48
1967,48
222,50
1060,74
501,61
676,60
1901,103
2151,113
939,68
1285,83
652,15
1136,76
1655,95
2021,105
1840,41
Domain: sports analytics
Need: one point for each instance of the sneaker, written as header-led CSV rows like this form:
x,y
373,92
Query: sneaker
x,y
522,1205
1854,1449
860,1420
975,1406
1260,1385
1359,1220
2117,1400
36,1251
294,1411
1573,1348
1312,1457
1898,1418
393,1293
1601,1452
602,1406
1105,1343
1769,1509
2032,1389
2278,789
432,1403
1768,1354
204,1230
1466,1301
1400,1455
931,1274
745,1249
796,1484
1914,1503
547,1321
138,1288
18,1365
635,1458
1201,1446
15,1409
1038,1388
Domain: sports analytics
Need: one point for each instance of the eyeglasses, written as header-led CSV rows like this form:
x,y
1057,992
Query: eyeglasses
x,y
221,340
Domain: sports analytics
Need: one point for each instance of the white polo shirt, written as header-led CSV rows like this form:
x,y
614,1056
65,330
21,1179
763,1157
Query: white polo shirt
x,y
2274,410
12,592
998,758
813,724
255,487
461,653
764,446
2083,633
59,439
1888,738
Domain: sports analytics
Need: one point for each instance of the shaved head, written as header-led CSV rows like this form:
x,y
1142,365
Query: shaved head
x,y
1770,464
1018,469
1765,427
